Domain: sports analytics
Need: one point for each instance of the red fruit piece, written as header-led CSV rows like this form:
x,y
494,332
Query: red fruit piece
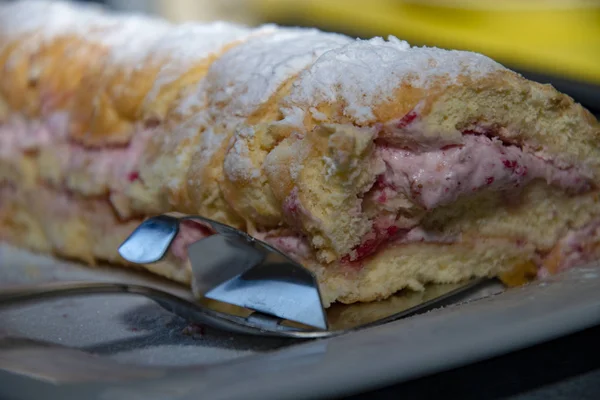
x,y
509,164
381,183
292,203
407,119
377,237
292,208
479,130
133,176
151,123
521,170
392,230
517,168
451,146
366,248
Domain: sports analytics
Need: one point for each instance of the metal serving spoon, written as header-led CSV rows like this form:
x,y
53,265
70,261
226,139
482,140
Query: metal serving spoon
x,y
231,267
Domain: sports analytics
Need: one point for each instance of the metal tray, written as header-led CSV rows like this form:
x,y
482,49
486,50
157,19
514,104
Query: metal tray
x,y
105,347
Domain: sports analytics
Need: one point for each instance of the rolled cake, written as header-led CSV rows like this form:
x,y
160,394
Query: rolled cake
x,y
377,165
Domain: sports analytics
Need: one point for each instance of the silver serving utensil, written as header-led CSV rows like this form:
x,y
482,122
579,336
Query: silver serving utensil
x,y
189,310
235,268
232,267
256,324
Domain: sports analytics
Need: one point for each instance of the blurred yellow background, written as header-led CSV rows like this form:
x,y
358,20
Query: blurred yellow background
x,y
557,38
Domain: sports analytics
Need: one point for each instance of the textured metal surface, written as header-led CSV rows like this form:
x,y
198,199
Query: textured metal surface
x,y
150,241
251,287
173,360
232,267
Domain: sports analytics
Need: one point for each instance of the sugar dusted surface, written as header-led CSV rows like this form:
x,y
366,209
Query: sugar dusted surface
x,y
366,73
56,17
127,36
209,144
211,140
195,98
184,45
238,165
192,41
132,37
246,76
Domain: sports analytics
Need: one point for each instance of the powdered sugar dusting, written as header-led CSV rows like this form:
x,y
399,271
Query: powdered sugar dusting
x,y
131,38
127,36
47,17
195,97
366,72
238,165
211,141
192,41
186,44
193,100
246,76
44,20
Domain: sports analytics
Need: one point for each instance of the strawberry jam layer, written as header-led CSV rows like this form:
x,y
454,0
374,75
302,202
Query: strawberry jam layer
x,y
419,168
439,177
91,171
387,232
430,177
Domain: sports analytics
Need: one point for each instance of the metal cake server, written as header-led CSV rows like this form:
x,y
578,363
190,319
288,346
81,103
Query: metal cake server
x,y
233,268
256,324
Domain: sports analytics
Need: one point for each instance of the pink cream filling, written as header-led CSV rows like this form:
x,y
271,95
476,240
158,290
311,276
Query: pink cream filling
x,y
189,232
433,173
436,177
64,205
439,177
429,177
113,166
193,231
